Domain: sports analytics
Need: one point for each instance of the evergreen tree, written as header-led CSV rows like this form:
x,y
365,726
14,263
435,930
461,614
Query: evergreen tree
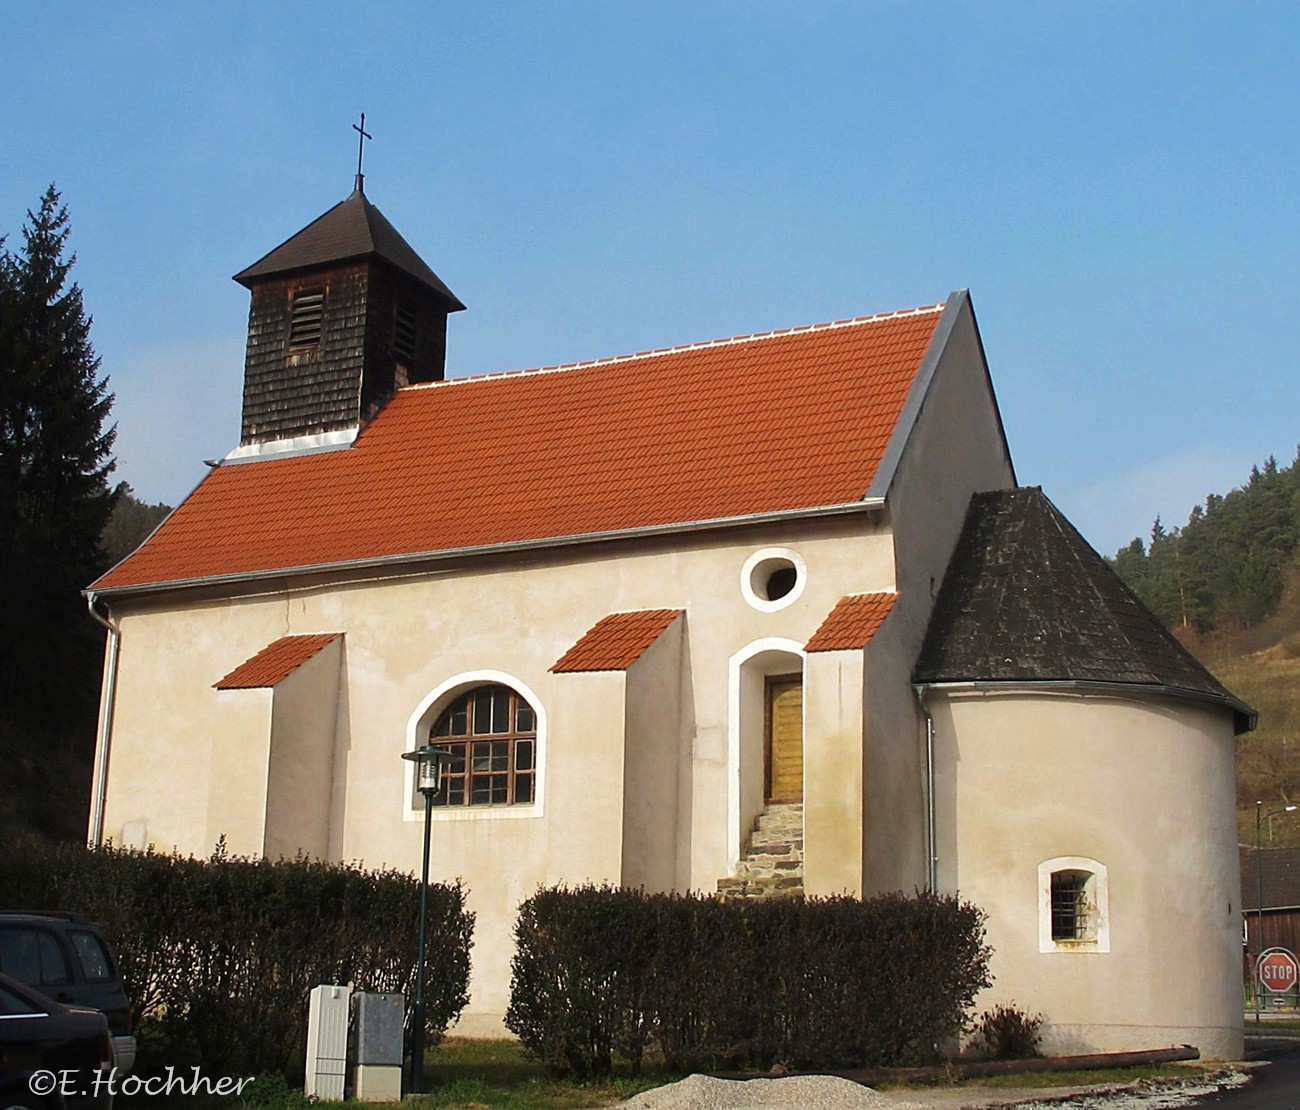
x,y
132,522
55,459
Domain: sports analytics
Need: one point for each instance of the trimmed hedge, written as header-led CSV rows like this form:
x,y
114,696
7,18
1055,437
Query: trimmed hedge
x,y
219,955
837,982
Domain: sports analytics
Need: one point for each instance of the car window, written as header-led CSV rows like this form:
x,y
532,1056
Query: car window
x,y
34,957
20,956
12,1005
95,963
54,965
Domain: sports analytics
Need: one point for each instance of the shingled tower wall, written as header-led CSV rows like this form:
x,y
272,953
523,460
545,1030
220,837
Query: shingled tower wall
x,y
375,319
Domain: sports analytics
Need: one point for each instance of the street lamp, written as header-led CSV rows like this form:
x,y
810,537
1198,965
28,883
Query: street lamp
x,y
429,762
1259,891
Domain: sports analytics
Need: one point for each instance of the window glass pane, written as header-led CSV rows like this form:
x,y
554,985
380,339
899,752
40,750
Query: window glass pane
x,y
500,788
482,755
1069,910
94,960
54,965
454,720
19,955
523,755
500,709
523,789
501,755
483,711
456,763
481,793
456,792
525,718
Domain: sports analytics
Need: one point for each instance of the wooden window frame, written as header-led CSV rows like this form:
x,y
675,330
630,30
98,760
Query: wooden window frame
x,y
462,745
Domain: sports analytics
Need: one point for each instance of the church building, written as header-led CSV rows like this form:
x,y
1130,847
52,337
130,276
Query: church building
x,y
767,616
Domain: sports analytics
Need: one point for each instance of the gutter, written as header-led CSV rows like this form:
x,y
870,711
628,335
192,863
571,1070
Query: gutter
x,y
1247,718
108,699
866,505
931,832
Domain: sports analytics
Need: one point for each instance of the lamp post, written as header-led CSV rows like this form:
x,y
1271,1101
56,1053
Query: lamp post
x,y
428,762
1259,891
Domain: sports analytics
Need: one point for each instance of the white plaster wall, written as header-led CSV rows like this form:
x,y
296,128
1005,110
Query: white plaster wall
x,y
955,449
654,731
833,769
1145,787
304,713
404,638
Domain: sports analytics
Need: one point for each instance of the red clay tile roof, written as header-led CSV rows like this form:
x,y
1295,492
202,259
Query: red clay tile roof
x,y
617,641
778,422
852,623
275,662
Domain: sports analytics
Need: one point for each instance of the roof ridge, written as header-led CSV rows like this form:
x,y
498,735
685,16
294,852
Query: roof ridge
x,y
703,345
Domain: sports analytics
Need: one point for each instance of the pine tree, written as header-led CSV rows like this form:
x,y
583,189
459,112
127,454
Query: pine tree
x,y
55,459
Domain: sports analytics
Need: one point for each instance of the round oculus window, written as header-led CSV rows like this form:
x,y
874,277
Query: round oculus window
x,y
773,578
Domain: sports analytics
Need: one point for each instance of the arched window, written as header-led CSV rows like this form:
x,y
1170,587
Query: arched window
x,y
1073,905
491,733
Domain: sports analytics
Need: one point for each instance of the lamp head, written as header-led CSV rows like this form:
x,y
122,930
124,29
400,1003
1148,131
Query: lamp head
x,y
429,763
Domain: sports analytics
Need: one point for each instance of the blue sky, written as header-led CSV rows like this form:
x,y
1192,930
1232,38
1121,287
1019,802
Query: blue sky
x,y
1116,183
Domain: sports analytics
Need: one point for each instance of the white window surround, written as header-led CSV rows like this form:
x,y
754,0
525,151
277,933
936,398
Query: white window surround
x,y
417,734
1097,892
734,665
761,564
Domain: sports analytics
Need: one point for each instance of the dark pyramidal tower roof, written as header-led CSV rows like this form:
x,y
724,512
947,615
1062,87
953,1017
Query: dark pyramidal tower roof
x,y
354,228
1027,601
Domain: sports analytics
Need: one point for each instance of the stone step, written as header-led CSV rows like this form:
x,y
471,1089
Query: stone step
x,y
785,817
772,866
785,887
764,838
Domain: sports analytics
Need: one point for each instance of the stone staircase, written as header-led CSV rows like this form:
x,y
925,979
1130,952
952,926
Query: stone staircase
x,y
772,866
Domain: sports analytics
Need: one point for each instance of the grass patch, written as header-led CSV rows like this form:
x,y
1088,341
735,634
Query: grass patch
x,y
464,1075
1282,1026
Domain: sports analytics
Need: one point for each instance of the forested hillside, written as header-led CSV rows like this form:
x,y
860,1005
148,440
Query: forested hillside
x,y
1228,583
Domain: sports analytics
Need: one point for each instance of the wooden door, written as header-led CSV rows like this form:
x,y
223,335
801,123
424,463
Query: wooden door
x,y
784,739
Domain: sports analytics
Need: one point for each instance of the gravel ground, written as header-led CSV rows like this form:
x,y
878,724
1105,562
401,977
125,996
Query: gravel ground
x,y
824,1092
810,1092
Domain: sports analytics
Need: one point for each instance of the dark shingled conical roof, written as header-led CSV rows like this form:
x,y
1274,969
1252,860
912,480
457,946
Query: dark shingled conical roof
x,y
353,228
1027,600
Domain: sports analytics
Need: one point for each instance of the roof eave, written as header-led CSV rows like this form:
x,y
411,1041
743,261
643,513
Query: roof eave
x,y
248,279
1244,717
866,505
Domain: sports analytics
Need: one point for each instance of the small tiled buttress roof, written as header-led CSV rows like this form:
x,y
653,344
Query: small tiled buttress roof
x,y
353,228
852,623
787,422
275,662
617,641
1026,601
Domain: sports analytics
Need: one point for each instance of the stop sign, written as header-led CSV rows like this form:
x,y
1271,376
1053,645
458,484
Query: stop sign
x,y
1278,970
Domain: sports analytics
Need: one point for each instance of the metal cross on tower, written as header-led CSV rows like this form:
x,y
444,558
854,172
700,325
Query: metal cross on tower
x,y
362,136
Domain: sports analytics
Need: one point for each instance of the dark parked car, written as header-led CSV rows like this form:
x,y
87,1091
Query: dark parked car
x,y
51,1055
66,957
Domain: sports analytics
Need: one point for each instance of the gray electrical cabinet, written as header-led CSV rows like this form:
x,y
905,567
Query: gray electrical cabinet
x,y
378,1021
